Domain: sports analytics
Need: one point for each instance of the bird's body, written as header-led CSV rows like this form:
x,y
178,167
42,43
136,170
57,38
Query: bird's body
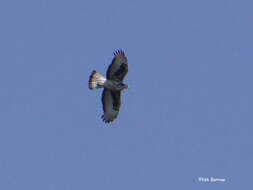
x,y
112,84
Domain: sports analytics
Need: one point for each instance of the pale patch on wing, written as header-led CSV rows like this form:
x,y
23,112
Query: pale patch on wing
x,y
109,113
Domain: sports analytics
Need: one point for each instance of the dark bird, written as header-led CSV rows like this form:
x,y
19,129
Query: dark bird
x,y
112,84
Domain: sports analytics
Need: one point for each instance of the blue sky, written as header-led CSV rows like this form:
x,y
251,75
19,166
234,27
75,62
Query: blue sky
x,y
188,112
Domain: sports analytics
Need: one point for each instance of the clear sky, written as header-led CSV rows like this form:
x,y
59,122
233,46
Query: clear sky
x,y
188,112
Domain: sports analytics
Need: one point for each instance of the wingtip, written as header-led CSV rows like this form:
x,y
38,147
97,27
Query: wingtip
x,y
106,121
119,52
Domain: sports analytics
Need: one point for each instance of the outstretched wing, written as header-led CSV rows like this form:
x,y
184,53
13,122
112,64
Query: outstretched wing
x,y
111,104
118,68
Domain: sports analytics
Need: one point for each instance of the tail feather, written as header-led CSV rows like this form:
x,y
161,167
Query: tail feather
x,y
96,80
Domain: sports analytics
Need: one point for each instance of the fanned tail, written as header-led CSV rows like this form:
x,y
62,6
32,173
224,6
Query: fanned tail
x,y
96,80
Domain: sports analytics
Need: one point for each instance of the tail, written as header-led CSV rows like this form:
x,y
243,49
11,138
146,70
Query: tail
x,y
96,80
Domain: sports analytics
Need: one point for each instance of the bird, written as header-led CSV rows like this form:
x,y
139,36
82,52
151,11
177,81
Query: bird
x,y
112,85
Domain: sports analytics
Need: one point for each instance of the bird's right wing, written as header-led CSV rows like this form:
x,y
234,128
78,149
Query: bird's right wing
x,y
118,68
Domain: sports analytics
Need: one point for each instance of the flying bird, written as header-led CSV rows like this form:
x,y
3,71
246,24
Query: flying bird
x,y
112,85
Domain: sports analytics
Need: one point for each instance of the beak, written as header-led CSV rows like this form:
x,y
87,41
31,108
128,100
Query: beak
x,y
125,87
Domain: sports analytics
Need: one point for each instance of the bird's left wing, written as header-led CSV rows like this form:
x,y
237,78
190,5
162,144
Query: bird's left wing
x,y
111,104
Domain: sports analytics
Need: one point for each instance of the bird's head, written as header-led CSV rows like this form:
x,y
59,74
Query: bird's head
x,y
121,86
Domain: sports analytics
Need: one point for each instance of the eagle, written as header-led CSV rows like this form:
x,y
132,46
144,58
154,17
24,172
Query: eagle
x,y
112,85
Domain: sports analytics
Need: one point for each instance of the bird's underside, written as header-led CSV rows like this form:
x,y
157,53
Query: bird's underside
x,y
112,84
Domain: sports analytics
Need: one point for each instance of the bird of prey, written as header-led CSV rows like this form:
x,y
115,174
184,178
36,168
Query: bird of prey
x,y
112,84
